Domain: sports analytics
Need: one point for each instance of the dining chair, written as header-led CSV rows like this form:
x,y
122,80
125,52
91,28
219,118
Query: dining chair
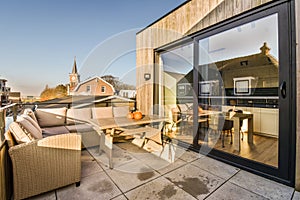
x,y
177,119
241,121
176,116
221,125
227,127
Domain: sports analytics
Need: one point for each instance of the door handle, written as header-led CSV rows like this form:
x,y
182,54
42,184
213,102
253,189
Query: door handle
x,y
282,89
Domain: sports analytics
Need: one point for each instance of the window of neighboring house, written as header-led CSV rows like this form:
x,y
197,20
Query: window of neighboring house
x,y
88,88
103,89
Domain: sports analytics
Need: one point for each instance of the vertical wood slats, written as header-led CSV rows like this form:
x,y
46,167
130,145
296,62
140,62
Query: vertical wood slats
x,y
189,18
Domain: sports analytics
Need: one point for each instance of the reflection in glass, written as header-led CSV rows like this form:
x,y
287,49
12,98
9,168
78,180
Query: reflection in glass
x,y
238,84
178,90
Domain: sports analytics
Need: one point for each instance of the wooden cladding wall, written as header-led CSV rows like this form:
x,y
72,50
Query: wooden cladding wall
x,y
191,17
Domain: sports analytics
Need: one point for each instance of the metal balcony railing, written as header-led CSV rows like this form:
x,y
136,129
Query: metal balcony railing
x,y
5,164
10,112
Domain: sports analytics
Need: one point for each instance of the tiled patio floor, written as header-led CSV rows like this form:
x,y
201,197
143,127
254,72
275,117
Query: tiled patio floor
x,y
138,174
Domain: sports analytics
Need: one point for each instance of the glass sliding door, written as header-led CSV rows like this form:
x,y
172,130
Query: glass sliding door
x,y
177,75
238,83
228,92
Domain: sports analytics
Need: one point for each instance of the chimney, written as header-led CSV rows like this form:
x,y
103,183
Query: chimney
x,y
265,50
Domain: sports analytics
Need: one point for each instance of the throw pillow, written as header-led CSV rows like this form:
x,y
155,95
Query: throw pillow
x,y
19,134
83,114
51,116
102,112
121,111
30,113
36,131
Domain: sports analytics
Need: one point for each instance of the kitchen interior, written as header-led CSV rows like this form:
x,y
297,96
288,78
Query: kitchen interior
x,y
247,83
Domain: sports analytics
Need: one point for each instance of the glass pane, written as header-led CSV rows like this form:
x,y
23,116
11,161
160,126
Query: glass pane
x,y
238,75
178,91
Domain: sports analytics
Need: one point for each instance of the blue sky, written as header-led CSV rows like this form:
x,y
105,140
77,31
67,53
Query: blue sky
x,y
39,39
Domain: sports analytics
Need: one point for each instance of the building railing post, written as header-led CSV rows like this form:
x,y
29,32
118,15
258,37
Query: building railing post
x,y
2,123
15,112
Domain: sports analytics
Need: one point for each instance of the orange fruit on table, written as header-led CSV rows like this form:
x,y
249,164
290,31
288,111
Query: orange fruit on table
x,y
137,115
130,115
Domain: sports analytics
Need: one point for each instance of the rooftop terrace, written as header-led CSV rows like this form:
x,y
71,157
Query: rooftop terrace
x,y
141,175
164,172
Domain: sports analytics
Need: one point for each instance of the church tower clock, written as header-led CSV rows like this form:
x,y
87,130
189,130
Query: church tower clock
x,y
74,76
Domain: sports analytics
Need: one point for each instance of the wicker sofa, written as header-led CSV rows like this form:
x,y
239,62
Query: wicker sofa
x,y
44,164
45,147
55,121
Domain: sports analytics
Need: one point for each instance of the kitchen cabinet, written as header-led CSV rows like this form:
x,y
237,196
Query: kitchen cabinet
x,y
269,123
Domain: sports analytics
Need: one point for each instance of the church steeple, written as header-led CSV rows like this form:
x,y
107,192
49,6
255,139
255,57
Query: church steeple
x,y
74,76
74,70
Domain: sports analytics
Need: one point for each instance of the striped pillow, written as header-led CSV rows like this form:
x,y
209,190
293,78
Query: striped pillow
x,y
34,123
19,134
29,126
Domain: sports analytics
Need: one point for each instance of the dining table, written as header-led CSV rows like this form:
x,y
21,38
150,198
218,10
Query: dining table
x,y
237,118
204,116
110,128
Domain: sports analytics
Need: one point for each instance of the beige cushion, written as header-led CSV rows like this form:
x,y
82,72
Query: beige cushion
x,y
81,114
80,128
28,127
20,135
34,123
51,116
56,130
121,111
30,113
102,112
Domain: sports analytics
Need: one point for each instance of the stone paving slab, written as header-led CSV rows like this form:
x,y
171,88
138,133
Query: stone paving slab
x,y
230,191
121,197
170,152
101,159
262,186
189,156
89,165
172,166
96,186
120,157
86,156
156,162
129,180
296,196
158,189
215,167
45,196
142,175
197,182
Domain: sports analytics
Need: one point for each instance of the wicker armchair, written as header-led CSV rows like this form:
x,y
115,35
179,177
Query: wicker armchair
x,y
45,164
